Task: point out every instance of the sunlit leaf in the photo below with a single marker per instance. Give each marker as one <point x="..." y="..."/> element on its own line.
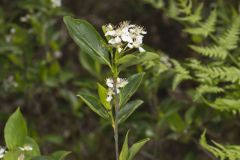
<point x="15" y="131"/>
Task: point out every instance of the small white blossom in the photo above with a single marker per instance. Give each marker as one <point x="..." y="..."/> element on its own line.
<point x="121" y="82"/>
<point x="13" y="30"/>
<point x="8" y="38"/>
<point x="57" y="54"/>
<point x="141" y="49"/>
<point x="2" y="152"/>
<point x="26" y="148"/>
<point x="56" y="3"/>
<point x="25" y="18"/>
<point x="109" y="82"/>
<point x="125" y="35"/>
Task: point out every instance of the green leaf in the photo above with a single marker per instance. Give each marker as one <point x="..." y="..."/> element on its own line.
<point x="12" y="155"/>
<point x="35" y="149"/>
<point x="176" y="123"/>
<point x="133" y="84"/>
<point x="102" y="92"/>
<point x="91" y="65"/>
<point x="15" y="130"/>
<point x="129" y="58"/>
<point x="124" y="151"/>
<point x="128" y="109"/>
<point x="94" y="105"/>
<point x="87" y="38"/>
<point x="60" y="155"/>
<point x="136" y="147"/>
<point x="134" y="59"/>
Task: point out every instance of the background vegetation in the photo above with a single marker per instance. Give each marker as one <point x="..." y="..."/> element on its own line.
<point x="193" y="86"/>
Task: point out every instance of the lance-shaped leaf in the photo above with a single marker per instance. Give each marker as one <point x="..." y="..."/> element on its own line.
<point x="87" y="38"/>
<point x="124" y="151"/>
<point x="15" y="130"/>
<point x="133" y="84"/>
<point x="102" y="92"/>
<point x="136" y="147"/>
<point x="128" y="109"/>
<point x="94" y="104"/>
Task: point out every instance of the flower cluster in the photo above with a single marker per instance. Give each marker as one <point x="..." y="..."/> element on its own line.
<point x="121" y="82"/>
<point x="56" y="3"/>
<point x="2" y="152"/>
<point x="125" y="36"/>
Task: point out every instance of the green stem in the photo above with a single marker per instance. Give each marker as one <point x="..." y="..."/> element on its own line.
<point x="116" y="103"/>
<point x="234" y="60"/>
<point x="116" y="106"/>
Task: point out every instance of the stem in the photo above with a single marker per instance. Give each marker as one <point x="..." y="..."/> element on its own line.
<point x="116" y="103"/>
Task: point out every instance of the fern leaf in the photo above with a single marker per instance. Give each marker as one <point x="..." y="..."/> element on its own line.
<point x="181" y="74"/>
<point x="205" y="28"/>
<point x="211" y="51"/>
<point x="219" y="151"/>
<point x="185" y="6"/>
<point x="173" y="9"/>
<point x="225" y="74"/>
<point x="206" y="89"/>
<point x="231" y="36"/>
<point x="224" y="104"/>
<point x="194" y="17"/>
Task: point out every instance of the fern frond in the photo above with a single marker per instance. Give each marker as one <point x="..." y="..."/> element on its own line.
<point x="230" y="152"/>
<point x="205" y="28"/>
<point x="231" y="36"/>
<point x="185" y="6"/>
<point x="193" y="17"/>
<point x="211" y="51"/>
<point x="206" y="89"/>
<point x="224" y="104"/>
<point x="224" y="74"/>
<point x="181" y="74"/>
<point x="173" y="9"/>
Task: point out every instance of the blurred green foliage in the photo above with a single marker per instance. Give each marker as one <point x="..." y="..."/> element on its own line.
<point x="194" y="85"/>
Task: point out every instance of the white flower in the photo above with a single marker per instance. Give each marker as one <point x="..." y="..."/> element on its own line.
<point x="25" y="18"/>
<point x="109" y="82"/>
<point x="141" y="49"/>
<point x="26" y="148"/>
<point x="119" y="49"/>
<point x="121" y="82"/>
<point x="13" y="30"/>
<point x="115" y="40"/>
<point x="110" y="94"/>
<point x="58" y="54"/>
<point x="125" y="36"/>
<point x="2" y="152"/>
<point x="109" y="98"/>
<point x="56" y="3"/>
<point x="8" y="38"/>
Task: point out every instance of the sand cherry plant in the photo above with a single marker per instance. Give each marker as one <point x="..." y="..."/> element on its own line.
<point x="121" y="47"/>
